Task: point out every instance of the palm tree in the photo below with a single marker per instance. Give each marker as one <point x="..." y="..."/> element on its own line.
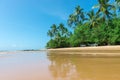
<point x="104" y="8"/>
<point x="77" y="17"/>
<point x="93" y="19"/>
<point x="53" y="32"/>
<point x="49" y="33"/>
<point x="72" y="20"/>
<point x="63" y="30"/>
<point x="79" y="14"/>
<point x="117" y="5"/>
<point x="118" y="1"/>
<point x="54" y="29"/>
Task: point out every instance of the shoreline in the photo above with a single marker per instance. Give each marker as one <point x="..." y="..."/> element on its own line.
<point x="84" y="51"/>
<point x="91" y="51"/>
<point x="90" y="48"/>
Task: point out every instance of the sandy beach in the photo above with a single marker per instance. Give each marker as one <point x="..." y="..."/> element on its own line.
<point x="99" y="50"/>
<point x="39" y="65"/>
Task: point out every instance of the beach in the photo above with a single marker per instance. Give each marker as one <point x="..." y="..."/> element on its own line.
<point x="99" y="50"/>
<point x="40" y="65"/>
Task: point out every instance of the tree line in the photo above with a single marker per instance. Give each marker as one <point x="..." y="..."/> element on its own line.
<point x="100" y="26"/>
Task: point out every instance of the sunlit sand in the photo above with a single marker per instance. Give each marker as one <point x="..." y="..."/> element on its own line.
<point x="99" y="50"/>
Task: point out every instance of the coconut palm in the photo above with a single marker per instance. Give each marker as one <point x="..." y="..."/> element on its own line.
<point x="93" y="19"/>
<point x="117" y="1"/>
<point x="104" y="8"/>
<point x="53" y="32"/>
<point x="116" y="8"/>
<point x="54" y="29"/>
<point x="77" y="17"/>
<point x="80" y="17"/>
<point x="72" y="20"/>
<point x="49" y="33"/>
<point x="117" y="5"/>
<point x="63" y="30"/>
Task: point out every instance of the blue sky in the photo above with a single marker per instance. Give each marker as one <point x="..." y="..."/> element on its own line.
<point x="24" y="23"/>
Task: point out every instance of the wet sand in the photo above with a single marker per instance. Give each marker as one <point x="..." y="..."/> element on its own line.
<point x="48" y="66"/>
<point x="100" y="50"/>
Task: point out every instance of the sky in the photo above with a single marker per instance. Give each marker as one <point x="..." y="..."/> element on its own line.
<point x="24" y="23"/>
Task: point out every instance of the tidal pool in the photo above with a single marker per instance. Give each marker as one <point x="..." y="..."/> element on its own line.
<point x="53" y="66"/>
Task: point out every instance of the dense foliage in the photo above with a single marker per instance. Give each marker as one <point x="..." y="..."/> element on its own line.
<point x="59" y="36"/>
<point x="101" y="27"/>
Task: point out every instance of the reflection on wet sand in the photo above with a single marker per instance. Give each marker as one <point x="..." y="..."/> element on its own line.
<point x="75" y="67"/>
<point x="54" y="66"/>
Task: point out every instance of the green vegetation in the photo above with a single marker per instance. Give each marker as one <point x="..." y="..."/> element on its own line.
<point x="59" y="36"/>
<point x="100" y="26"/>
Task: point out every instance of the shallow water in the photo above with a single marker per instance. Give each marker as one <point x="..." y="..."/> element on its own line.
<point x="51" y="66"/>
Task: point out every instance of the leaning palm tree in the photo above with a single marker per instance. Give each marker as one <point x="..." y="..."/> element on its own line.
<point x="104" y="8"/>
